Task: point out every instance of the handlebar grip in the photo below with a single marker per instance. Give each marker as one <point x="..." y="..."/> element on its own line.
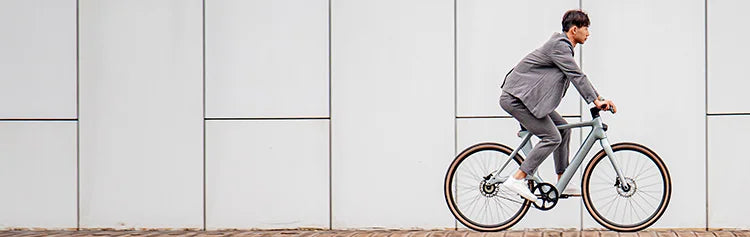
<point x="595" y="111"/>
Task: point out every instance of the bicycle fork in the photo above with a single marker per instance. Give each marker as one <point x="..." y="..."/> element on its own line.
<point x="611" y="156"/>
<point x="601" y="135"/>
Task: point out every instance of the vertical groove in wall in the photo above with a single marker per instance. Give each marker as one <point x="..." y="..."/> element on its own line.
<point x="204" y="112"/>
<point x="330" y="127"/>
<point x="705" y="117"/>
<point x="580" y="131"/>
<point x="78" y="129"/>
<point x="455" y="85"/>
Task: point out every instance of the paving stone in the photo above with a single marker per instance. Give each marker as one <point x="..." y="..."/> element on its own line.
<point x="532" y="234"/>
<point x="476" y="234"/>
<point x="704" y="234"/>
<point x="514" y="234"/>
<point x="323" y="234"/>
<point x="685" y="233"/>
<point x="723" y="234"/>
<point x="457" y="233"/>
<point x="647" y="234"/>
<point x="419" y="233"/>
<point x="380" y="233"/>
<point x="552" y="234"/>
<point x="375" y="233"/>
<point x="608" y="234"/>
<point x="494" y="234"/>
<point x="589" y="233"/>
<point x="571" y="233"/>
<point x="439" y="233"/>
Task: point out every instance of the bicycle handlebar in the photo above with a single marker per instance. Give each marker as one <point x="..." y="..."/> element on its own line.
<point x="595" y="111"/>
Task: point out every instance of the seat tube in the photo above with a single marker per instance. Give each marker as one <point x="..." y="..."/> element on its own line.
<point x="496" y="175"/>
<point x="610" y="155"/>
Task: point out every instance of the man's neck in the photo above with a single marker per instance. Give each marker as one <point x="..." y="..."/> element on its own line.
<point x="570" y="38"/>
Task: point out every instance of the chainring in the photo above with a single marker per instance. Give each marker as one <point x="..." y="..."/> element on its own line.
<point x="547" y="195"/>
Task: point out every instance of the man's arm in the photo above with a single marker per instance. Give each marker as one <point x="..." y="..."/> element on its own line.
<point x="562" y="56"/>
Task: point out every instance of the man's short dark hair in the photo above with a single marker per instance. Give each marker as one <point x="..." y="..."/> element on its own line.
<point x="575" y="18"/>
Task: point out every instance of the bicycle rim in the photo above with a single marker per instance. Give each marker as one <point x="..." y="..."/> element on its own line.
<point x="476" y="205"/>
<point x="630" y="209"/>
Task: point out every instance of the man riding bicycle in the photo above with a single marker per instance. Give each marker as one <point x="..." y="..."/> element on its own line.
<point x="535" y="87"/>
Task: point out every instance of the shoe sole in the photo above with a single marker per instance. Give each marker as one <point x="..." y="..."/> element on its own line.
<point x="519" y="194"/>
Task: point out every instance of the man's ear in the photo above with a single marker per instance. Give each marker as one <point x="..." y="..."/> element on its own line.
<point x="574" y="29"/>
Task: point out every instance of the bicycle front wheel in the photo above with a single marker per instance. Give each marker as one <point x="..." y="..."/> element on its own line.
<point x="641" y="202"/>
<point x="472" y="201"/>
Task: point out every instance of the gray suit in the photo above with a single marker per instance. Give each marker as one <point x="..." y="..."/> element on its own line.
<point x="532" y="91"/>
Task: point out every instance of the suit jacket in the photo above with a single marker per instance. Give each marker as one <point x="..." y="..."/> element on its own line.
<point x="542" y="77"/>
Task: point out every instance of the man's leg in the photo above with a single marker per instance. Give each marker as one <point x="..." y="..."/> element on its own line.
<point x="543" y="128"/>
<point x="563" y="150"/>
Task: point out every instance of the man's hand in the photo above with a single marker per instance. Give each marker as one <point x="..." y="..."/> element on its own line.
<point x="605" y="105"/>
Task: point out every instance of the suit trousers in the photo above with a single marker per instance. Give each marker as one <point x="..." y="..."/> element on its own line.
<point x="552" y="140"/>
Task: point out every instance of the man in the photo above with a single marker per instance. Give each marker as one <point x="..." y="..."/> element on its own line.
<point x="535" y="87"/>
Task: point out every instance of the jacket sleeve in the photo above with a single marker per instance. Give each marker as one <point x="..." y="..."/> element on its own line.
<point x="562" y="56"/>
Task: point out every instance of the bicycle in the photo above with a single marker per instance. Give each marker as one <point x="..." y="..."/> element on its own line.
<point x="635" y="183"/>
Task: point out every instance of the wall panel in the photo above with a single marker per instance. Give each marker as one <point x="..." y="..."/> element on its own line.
<point x="392" y="112"/>
<point x="38" y="59"/>
<point x="141" y="114"/>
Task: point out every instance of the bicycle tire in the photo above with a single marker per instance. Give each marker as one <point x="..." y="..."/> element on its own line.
<point x="634" y="178"/>
<point x="452" y="190"/>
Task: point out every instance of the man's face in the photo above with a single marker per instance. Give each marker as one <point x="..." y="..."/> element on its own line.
<point x="580" y="34"/>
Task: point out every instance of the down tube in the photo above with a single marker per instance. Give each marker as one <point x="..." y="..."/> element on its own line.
<point x="577" y="160"/>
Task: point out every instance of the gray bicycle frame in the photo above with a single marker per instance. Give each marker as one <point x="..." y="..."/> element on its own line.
<point x="597" y="133"/>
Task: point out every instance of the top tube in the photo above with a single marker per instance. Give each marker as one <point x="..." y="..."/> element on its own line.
<point x="576" y="125"/>
<point x="594" y="114"/>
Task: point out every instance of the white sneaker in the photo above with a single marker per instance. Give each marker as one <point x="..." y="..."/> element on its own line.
<point x="573" y="189"/>
<point x="520" y="187"/>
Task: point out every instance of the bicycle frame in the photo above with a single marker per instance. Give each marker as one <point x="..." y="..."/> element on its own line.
<point x="597" y="133"/>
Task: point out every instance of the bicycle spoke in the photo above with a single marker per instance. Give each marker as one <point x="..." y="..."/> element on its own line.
<point x="499" y="206"/>
<point x="643" y="210"/>
<point x="649" y="203"/>
<point x="648" y="185"/>
<point x="610" y="204"/>
<point x="486" y="209"/>
<point x="644" y="171"/>
<point x="611" y="187"/>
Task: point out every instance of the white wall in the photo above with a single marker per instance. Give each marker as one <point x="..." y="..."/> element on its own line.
<point x="727" y="171"/>
<point x="726" y="78"/>
<point x="267" y="174"/>
<point x="339" y="114"/>
<point x="266" y="58"/>
<point x="392" y="121"/>
<point x="38" y="174"/>
<point x="38" y="59"/>
<point x="728" y="110"/>
<point x="38" y="159"/>
<point x="267" y="87"/>
<point x="141" y="114"/>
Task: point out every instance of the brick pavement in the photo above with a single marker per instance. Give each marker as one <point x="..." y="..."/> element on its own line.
<point x="378" y="233"/>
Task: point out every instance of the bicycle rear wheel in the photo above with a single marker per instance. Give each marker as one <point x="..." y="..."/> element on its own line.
<point x="475" y="204"/>
<point x="626" y="209"/>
